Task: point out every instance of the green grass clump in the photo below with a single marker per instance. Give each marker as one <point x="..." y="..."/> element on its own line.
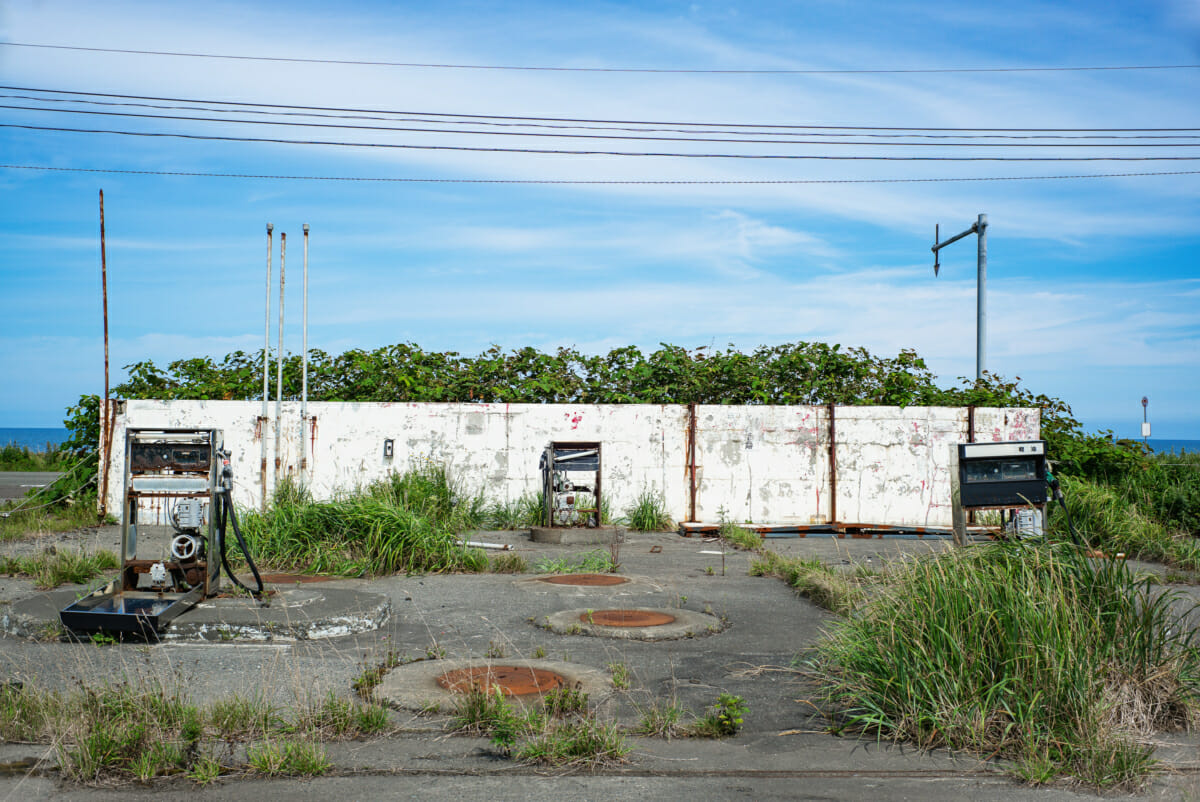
<point x="22" y="458"/>
<point x="1106" y="519"/>
<point x="52" y="568"/>
<point x="45" y="519"/>
<point x="522" y="513"/>
<point x="289" y="759"/>
<point x="404" y="523"/>
<point x="120" y="730"/>
<point x="1025" y="651"/>
<point x="334" y="717"/>
<point x="661" y="719"/>
<point x="578" y="743"/>
<point x="723" y="720"/>
<point x="594" y="562"/>
<point x="810" y="577"/>
<point x="649" y="513"/>
<point x="242" y="718"/>
<point x="508" y="563"/>
<point x="740" y="537"/>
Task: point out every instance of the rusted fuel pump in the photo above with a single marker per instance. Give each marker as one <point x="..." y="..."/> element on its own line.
<point x="185" y="476"/>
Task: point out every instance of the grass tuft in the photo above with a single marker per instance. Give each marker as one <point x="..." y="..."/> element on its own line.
<point x="813" y="579"/>
<point x="522" y="513"/>
<point x="649" y="513"/>
<point x="580" y="743"/>
<point x="1105" y="517"/>
<point x="508" y="563"/>
<point x="1032" y="652"/>
<point x="51" y="568"/>
<point x="404" y="523"/>
<point x="594" y="562"/>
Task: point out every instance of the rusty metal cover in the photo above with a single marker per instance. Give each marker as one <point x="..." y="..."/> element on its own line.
<point x="511" y="680"/>
<point x="592" y="580"/>
<point x="627" y="618"/>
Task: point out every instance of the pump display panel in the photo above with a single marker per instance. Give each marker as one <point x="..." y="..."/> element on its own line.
<point x="1011" y="474"/>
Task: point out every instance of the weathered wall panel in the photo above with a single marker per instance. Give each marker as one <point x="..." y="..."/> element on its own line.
<point x="766" y="464"/>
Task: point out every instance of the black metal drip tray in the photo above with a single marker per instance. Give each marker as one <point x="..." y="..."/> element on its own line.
<point x="129" y="611"/>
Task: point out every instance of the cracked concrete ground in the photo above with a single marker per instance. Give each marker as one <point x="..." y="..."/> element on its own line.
<point x="784" y="750"/>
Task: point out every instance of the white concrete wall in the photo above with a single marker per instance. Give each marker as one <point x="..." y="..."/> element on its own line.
<point x="767" y="464"/>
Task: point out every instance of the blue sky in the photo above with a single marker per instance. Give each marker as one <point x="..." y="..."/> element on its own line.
<point x="1094" y="284"/>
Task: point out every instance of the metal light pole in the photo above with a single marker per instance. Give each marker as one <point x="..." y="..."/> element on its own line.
<point x="980" y="228"/>
<point x="1145" y="423"/>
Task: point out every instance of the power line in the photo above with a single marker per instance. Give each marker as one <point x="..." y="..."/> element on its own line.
<point x="657" y="70"/>
<point x="405" y="117"/>
<point x="623" y="137"/>
<point x="553" y="151"/>
<point x="593" y="121"/>
<point x="622" y="182"/>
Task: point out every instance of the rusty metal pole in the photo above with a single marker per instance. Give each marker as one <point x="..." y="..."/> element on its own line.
<point x="832" y="467"/>
<point x="691" y="445"/>
<point x="262" y="418"/>
<point x="104" y="417"/>
<point x="304" y="366"/>
<point x="279" y="358"/>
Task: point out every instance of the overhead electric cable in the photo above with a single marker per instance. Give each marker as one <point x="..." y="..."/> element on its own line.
<point x="551" y="151"/>
<point x="623" y="137"/>
<point x="539" y="68"/>
<point x="622" y="182"/>
<point x="596" y="121"/>
<point x="407" y="117"/>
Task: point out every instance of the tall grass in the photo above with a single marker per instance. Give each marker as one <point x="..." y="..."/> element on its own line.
<point x="1031" y="652"/>
<point x="21" y="458"/>
<point x="522" y="513"/>
<point x="1107" y="520"/>
<point x="405" y="523"/>
<point x="39" y="518"/>
<point x="1167" y="487"/>
<point x="649" y="513"/>
<point x="49" y="569"/>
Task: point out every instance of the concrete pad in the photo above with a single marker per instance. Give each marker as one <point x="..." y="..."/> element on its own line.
<point x="633" y="586"/>
<point x="294" y="614"/>
<point x="686" y="624"/>
<point x="414" y="686"/>
<point x="572" y="536"/>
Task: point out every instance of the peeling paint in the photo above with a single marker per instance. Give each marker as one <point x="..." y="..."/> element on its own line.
<point x="892" y="463"/>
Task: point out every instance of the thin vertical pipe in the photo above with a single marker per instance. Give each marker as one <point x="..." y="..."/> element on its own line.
<point x="981" y="300"/>
<point x="279" y="357"/>
<point x="262" y="418"/>
<point x="104" y="411"/>
<point x="832" y="467"/>
<point x="691" y="447"/>
<point x="304" y="366"/>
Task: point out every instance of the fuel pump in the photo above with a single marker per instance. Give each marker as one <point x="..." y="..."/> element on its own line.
<point x="176" y="478"/>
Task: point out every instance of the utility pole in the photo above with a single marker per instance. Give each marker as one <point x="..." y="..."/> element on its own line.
<point x="980" y="228"/>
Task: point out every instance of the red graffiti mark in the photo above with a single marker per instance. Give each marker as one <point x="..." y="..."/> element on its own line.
<point x="575" y="419"/>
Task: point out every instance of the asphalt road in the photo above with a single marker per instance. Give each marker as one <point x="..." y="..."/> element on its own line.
<point x="14" y="484"/>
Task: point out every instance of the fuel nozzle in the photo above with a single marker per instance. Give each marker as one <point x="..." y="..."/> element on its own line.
<point x="226" y="480"/>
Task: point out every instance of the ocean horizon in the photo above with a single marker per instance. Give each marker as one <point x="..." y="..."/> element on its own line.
<point x="36" y="438"/>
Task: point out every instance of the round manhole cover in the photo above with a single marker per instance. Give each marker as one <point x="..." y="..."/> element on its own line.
<point x="511" y="680"/>
<point x="590" y="580"/>
<point x="627" y="618"/>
